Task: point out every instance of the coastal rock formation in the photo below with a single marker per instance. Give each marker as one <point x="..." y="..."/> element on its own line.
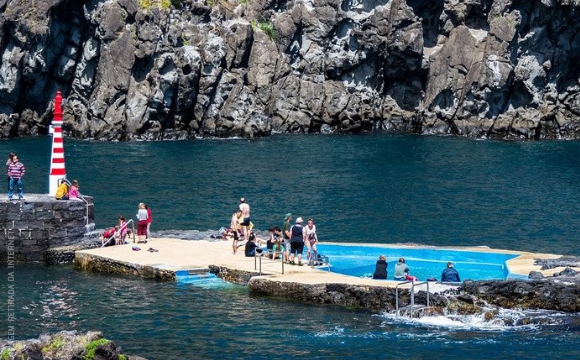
<point x="65" y="345"/>
<point x="173" y="69"/>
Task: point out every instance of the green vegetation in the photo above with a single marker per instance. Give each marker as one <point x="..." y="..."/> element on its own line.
<point x="122" y="357"/>
<point x="185" y="41"/>
<point x="266" y="26"/>
<point x="242" y="1"/>
<point x="91" y="348"/>
<point x="145" y="4"/>
<point x="5" y="354"/>
<point x="211" y="2"/>
<point x="160" y="4"/>
<point x="55" y="344"/>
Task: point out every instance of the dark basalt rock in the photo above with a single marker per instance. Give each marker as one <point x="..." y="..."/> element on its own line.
<point x="65" y="345"/>
<point x="491" y="69"/>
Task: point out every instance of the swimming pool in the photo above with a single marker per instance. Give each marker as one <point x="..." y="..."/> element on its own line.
<point x="359" y="260"/>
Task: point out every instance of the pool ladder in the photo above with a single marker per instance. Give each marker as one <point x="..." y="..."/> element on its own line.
<point x="413" y="284"/>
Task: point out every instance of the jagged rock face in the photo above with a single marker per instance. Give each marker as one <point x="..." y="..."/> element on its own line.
<point x="143" y="69"/>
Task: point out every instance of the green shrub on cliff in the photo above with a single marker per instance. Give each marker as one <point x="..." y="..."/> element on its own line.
<point x="266" y="26"/>
<point x="161" y="4"/>
<point x="91" y="348"/>
<point x="5" y="354"/>
<point x="55" y="344"/>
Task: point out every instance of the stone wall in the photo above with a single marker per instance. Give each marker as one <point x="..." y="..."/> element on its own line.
<point x="90" y="262"/>
<point x="29" y="228"/>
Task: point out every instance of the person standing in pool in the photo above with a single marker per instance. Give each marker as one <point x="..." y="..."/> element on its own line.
<point x="450" y="274"/>
<point x="381" y="268"/>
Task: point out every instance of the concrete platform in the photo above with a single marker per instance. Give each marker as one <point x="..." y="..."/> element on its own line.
<point x="174" y="255"/>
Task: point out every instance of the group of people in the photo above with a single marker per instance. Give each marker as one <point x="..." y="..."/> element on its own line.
<point x="117" y="235"/>
<point x="402" y="271"/>
<point x="15" y="170"/>
<point x="64" y="192"/>
<point x="288" y="241"/>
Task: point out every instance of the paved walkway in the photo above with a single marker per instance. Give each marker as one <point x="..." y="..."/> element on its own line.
<point x="174" y="254"/>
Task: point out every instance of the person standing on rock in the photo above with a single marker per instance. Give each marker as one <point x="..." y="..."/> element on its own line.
<point x="15" y="172"/>
<point x="149" y="221"/>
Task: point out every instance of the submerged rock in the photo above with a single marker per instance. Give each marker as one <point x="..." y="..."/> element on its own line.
<point x="179" y="69"/>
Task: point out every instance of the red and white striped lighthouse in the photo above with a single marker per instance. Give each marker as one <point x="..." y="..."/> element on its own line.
<point x="57" y="169"/>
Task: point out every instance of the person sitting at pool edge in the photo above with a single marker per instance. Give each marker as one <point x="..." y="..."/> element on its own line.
<point x="401" y="270"/>
<point x="450" y="274"/>
<point x="381" y="268"/>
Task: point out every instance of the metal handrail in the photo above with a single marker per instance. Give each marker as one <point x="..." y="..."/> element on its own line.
<point x="413" y="284"/>
<point x="261" y="255"/>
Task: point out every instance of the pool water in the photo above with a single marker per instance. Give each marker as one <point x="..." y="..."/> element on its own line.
<point x="359" y="260"/>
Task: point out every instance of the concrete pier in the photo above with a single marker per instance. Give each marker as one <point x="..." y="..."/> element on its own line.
<point x="302" y="283"/>
<point x="29" y="227"/>
<point x="176" y="255"/>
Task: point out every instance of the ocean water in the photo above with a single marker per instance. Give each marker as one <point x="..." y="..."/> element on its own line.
<point x="358" y="188"/>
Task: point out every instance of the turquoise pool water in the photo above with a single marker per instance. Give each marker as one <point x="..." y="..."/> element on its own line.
<point x="359" y="260"/>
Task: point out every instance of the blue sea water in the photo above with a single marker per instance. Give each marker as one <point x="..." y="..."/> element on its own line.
<point x="359" y="188"/>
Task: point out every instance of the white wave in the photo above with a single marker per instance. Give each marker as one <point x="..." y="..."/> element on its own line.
<point x="503" y="320"/>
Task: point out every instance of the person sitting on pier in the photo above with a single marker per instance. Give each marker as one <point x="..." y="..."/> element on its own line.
<point x="381" y="268"/>
<point x="251" y="246"/>
<point x="73" y="192"/>
<point x="108" y="237"/>
<point x="450" y="274"/>
<point x="274" y="243"/>
<point x="62" y="190"/>
<point x="402" y="271"/>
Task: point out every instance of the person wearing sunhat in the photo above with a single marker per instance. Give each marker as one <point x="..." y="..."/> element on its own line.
<point x="286" y="235"/>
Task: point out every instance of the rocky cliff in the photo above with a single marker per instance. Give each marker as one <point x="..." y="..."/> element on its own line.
<point x="172" y="69"/>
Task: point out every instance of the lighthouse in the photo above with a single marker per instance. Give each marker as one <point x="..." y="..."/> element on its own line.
<point x="57" y="168"/>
